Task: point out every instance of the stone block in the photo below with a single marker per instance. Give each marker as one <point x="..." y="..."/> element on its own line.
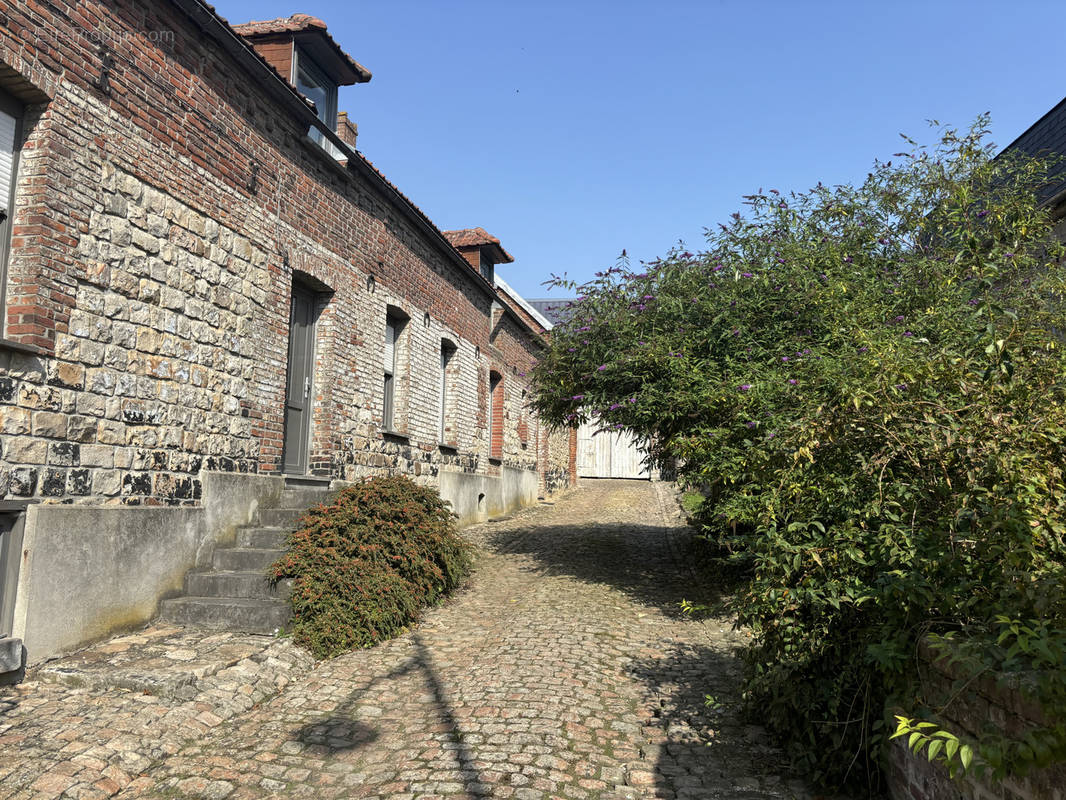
<point x="10" y="654"/>
<point x="23" y="481"/>
<point x="97" y="455"/>
<point x="67" y="375"/>
<point x="107" y="482"/>
<point x="81" y="429"/>
<point x="25" y="450"/>
<point x="64" y="454"/>
<point x="53" y="482"/>
<point x="47" y="423"/>
<point x="14" y="420"/>
<point x="108" y="432"/>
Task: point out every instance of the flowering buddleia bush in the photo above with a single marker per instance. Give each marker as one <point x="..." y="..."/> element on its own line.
<point x="867" y="385"/>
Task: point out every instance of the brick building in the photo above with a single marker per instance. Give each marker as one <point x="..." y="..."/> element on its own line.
<point x="207" y="292"/>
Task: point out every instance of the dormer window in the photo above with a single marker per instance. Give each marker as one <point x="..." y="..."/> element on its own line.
<point x="486" y="267"/>
<point x="313" y="84"/>
<point x="304" y="54"/>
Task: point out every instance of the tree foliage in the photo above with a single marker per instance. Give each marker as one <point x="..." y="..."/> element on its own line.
<point x="867" y="384"/>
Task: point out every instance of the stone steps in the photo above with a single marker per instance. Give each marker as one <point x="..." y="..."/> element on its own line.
<point x="280" y="517"/>
<point x="245" y="559"/>
<point x="235" y="593"/>
<point x="247" y="584"/>
<point x="251" y="615"/>
<point x="265" y="537"/>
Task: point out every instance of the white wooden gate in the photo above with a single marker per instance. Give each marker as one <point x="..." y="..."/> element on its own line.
<point x="608" y="455"/>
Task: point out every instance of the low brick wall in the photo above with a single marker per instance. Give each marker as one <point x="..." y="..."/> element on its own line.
<point x="968" y="708"/>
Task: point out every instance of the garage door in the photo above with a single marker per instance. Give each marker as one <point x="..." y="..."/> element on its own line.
<point x="608" y="455"/>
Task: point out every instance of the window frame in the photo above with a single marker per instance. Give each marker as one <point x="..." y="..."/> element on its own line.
<point x="303" y="62"/>
<point x="448" y="352"/>
<point x="13" y="108"/>
<point x="388" y="403"/>
<point x="495" y="419"/>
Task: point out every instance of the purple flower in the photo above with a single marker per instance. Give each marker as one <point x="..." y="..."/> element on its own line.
<point x="632" y="399"/>
<point x="649" y="297"/>
<point x="585" y="328"/>
<point x="899" y="318"/>
<point x="578" y="397"/>
<point x="907" y="333"/>
<point x="571" y="349"/>
<point x="718" y="268"/>
<point x="601" y="367"/>
<point x="615" y="406"/>
<point x="974" y="302"/>
<point x="901" y="386"/>
<point x="771" y="435"/>
<point x="750" y="424"/>
<point x="746" y="275"/>
<point x="792" y="381"/>
<point x="744" y="387"/>
<point x="848" y="259"/>
<point x="863" y="349"/>
<point x="982" y="213"/>
<point x="784" y="358"/>
<point x="1008" y="255"/>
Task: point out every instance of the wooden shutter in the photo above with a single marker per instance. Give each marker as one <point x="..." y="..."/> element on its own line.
<point x="7" y="157"/>
<point x="390" y="345"/>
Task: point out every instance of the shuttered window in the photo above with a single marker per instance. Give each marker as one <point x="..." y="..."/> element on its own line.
<point x="447" y="353"/>
<point x="10" y="124"/>
<point x="388" y="420"/>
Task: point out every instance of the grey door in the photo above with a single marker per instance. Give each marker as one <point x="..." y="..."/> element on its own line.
<point x="298" y="390"/>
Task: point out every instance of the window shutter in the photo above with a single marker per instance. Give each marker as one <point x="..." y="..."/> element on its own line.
<point x="7" y="156"/>
<point x="390" y="345"/>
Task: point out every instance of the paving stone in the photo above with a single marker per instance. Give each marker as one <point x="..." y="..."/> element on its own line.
<point x="564" y="669"/>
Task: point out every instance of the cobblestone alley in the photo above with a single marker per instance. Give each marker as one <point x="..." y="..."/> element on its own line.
<point x="563" y="670"/>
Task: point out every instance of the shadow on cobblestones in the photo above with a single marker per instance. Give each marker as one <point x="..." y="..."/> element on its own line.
<point x="634" y="559"/>
<point x="707" y="747"/>
<point x="342" y="730"/>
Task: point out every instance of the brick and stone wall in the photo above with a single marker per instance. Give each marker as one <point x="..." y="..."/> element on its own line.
<point x="969" y="706"/>
<point x="158" y="230"/>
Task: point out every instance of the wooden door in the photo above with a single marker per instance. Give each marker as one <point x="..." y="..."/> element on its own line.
<point x="298" y="390"/>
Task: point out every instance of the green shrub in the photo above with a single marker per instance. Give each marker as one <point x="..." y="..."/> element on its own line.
<point x="366" y="563"/>
<point x="868" y="384"/>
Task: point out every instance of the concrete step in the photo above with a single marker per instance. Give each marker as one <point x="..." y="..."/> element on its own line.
<point x="279" y="517"/>
<point x="303" y="498"/>
<point x="227" y="613"/>
<point x="246" y="559"/>
<point x="262" y="537"/>
<point x="247" y="584"/>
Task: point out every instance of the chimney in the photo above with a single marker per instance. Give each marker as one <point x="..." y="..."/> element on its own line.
<point x="346" y="129"/>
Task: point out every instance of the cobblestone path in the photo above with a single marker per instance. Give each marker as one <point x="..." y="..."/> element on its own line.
<point x="564" y="670"/>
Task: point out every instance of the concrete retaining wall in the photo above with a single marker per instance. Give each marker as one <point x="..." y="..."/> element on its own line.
<point x="475" y="498"/>
<point x="88" y="572"/>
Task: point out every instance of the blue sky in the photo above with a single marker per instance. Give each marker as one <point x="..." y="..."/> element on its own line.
<point x="572" y="130"/>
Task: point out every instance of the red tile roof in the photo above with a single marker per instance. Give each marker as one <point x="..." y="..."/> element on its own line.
<point x="297" y="22"/>
<point x="306" y="24"/>
<point x="478" y="237"/>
